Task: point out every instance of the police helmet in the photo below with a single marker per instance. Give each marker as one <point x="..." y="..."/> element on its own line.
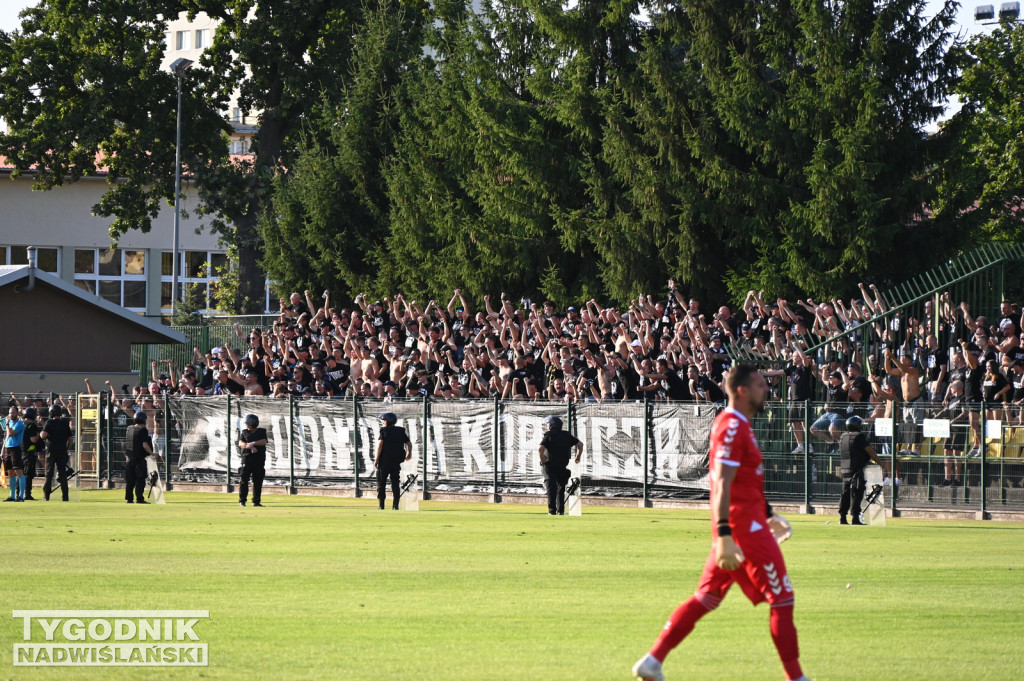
<point x="553" y="423"/>
<point x="252" y="420"/>
<point x="854" y="424"/>
<point x="31" y="413"/>
<point x="140" y="417"/>
<point x="56" y="412"/>
<point x="388" y="418"/>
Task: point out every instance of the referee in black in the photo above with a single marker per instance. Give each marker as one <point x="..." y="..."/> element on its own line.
<point x="554" y="452"/>
<point x="855" y="453"/>
<point x="393" y="447"/>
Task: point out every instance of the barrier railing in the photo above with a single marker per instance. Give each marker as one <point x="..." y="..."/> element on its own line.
<point x="655" y="450"/>
<point x="966" y="457"/>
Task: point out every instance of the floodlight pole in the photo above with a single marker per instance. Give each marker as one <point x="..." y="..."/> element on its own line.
<point x="988" y="15"/>
<point x="179" y="66"/>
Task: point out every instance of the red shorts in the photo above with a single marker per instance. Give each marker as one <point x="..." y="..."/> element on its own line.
<point x="762" y="576"/>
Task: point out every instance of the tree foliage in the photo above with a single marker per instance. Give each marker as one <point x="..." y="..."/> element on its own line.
<point x="83" y="93"/>
<point x="983" y="183"/>
<point x="532" y="146"/>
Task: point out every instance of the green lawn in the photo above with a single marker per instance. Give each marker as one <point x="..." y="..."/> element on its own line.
<point x="321" y="588"/>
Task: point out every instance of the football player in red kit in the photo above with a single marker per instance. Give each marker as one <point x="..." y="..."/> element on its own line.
<point x="745" y="534"/>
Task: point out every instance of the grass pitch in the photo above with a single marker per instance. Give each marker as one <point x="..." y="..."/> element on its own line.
<point x="322" y="588"/>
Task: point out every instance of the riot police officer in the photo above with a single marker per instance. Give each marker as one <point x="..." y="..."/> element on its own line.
<point x="855" y="454"/>
<point x="57" y="433"/>
<point x="393" y="447"/>
<point x="253" y="443"/>
<point x="137" y="446"/>
<point x="32" y="445"/>
<point x="554" y="452"/>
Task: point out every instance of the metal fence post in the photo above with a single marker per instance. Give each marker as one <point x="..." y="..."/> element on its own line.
<point x="355" y="443"/>
<point x="808" y="459"/>
<point x="167" y="442"/>
<point x="645" y="502"/>
<point x="423" y="447"/>
<point x="495" y="496"/>
<point x="229" y="428"/>
<point x="101" y="440"/>
<point x="110" y="446"/>
<point x="983" y="455"/>
<point x="291" y="444"/>
<point x="892" y="462"/>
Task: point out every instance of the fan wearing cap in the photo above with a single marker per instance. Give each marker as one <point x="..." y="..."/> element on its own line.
<point x="393" y="447"/>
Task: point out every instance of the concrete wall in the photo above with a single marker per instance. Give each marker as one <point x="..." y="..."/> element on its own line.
<point x="63" y="217"/>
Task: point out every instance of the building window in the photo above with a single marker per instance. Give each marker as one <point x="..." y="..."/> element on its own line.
<point x="202" y="38"/>
<point x="240" y="147"/>
<point x="114" y="274"/>
<point x="196" y="277"/>
<point x="181" y="40"/>
<point x="49" y="258"/>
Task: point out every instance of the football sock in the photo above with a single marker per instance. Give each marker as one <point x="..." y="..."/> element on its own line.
<point x="784" y="636"/>
<point x="20" y="480"/>
<point x="681" y="623"/>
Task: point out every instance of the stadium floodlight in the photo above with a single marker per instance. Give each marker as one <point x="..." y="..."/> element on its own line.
<point x="178" y="68"/>
<point x="984" y="13"/>
<point x="1009" y="11"/>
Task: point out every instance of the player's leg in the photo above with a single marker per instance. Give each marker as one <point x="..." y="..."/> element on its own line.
<point x="714" y="584"/>
<point x="763" y="577"/>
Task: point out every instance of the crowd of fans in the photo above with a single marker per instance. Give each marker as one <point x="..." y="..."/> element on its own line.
<point x="858" y="358"/>
<point x="662" y="349"/>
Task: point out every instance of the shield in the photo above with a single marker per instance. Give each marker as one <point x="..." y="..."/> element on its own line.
<point x="154" y="484"/>
<point x="874" y="500"/>
<point x="574" y="495"/>
<point x="410" y="489"/>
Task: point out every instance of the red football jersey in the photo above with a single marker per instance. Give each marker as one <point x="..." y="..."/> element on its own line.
<point x="733" y="444"/>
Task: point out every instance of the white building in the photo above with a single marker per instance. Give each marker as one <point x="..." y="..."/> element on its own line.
<point x="75" y="244"/>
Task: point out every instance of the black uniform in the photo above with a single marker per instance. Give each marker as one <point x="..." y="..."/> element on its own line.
<point x="32" y="451"/>
<point x="394" y="439"/>
<point x="57" y="460"/>
<point x="254" y="465"/>
<point x="558" y="444"/>
<point x="135" y="462"/>
<point x="853" y="458"/>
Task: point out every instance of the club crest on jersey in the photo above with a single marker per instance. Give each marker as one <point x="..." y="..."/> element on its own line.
<point x="760" y="469"/>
